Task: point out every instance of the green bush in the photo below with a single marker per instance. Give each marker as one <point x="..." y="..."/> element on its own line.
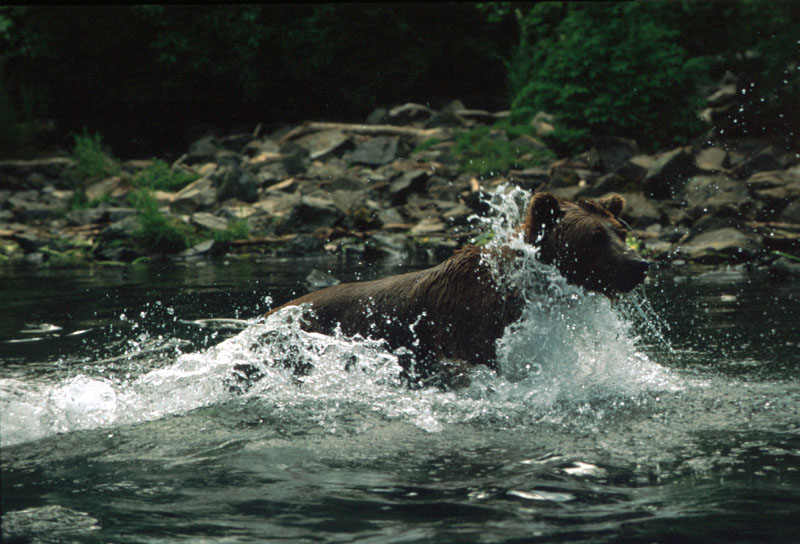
<point x="606" y="69"/>
<point x="158" y="233"/>
<point x="90" y="160"/>
<point x="495" y="150"/>
<point x="160" y="177"/>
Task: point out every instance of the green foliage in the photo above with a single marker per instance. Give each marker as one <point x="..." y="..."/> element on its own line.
<point x="158" y="233"/>
<point x="90" y="160"/>
<point x="488" y="150"/>
<point x="606" y="69"/>
<point x="160" y="177"/>
<point x="237" y="230"/>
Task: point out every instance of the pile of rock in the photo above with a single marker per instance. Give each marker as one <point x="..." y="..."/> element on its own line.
<point x="392" y="186"/>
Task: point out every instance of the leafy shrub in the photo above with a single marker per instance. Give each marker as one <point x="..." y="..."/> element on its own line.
<point x="606" y="69"/>
<point x="488" y="150"/>
<point x="90" y="160"/>
<point x="158" y="233"/>
<point x="160" y="177"/>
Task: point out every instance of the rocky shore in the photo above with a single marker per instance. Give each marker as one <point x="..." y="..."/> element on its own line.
<point x="395" y="186"/>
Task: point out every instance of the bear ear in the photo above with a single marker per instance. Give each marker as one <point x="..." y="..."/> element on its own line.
<point x="612" y="204"/>
<point x="544" y="211"/>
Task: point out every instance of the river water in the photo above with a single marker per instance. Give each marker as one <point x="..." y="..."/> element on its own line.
<point x="670" y="415"/>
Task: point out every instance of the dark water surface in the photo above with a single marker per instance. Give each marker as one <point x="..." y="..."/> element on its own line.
<point x="119" y="423"/>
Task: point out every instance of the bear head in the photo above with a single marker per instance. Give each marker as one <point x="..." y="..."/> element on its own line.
<point x="585" y="240"/>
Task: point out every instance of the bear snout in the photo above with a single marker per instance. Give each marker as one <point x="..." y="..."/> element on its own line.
<point x="636" y="271"/>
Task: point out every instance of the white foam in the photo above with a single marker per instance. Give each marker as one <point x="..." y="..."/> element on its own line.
<point x="569" y="348"/>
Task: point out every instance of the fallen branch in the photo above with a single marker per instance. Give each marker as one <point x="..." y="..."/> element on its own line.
<point x="369" y="130"/>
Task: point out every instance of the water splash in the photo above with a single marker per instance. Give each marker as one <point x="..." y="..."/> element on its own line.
<point x="569" y="350"/>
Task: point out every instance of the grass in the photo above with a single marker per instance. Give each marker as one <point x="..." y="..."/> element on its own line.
<point x="158" y="233"/>
<point x="159" y="176"/>
<point x="492" y="150"/>
<point x="237" y="230"/>
<point x="90" y="160"/>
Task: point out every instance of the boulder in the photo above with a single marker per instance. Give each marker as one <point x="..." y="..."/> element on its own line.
<point x="86" y="216"/>
<point x="209" y="221"/>
<point x="278" y="204"/>
<point x="668" y="173"/>
<point x="235" y="182"/>
<point x="376" y="151"/>
<point x="311" y="213"/>
<point x="324" y="143"/>
<point x="198" y="195"/>
<point x="318" y="279"/>
<point x="614" y="153"/>
<point x="721" y="245"/>
<point x="639" y="212"/>
<point x="784" y="268"/>
<point x="762" y="162"/>
<point x="103" y="188"/>
<point x="413" y="181"/>
<point x="712" y="159"/>
<point x="428" y="226"/>
<point x="203" y="150"/>
<point x="791" y="214"/>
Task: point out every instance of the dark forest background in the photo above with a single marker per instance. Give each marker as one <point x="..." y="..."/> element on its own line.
<point x="150" y="79"/>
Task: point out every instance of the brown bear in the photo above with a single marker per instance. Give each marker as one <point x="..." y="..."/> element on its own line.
<point x="451" y="315"/>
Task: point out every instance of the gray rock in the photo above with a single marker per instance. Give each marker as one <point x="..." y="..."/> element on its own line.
<point x="311" y="213"/>
<point x="103" y="188"/>
<point x="376" y="151"/>
<point x="206" y="248"/>
<point x="203" y="150"/>
<point x="12" y="172"/>
<point x="413" y="181"/>
<point x="639" y="212"/>
<point x="119" y="230"/>
<point x="390" y="216"/>
<point x="724" y="95"/>
<point x="712" y="159"/>
<point x="668" y="173"/>
<point x="278" y="204"/>
<point x="457" y="214"/>
<point x="763" y="162"/>
<point x="718" y="197"/>
<point x="317" y="279"/>
<point x="116" y="214"/>
<point x="321" y="144"/>
<point x="30" y="242"/>
<point x="428" y="226"/>
<point x="791" y="214"/>
<point x="784" y="268"/>
<point x="26" y="211"/>
<point x="777" y="190"/>
<point x="235" y="182"/>
<point x="721" y="245"/>
<point x="116" y="254"/>
<point x="198" y="195"/>
<point x="293" y="158"/>
<point x="86" y="216"/>
<point x="378" y="117"/>
<point x="209" y="221"/>
<point x="614" y="153"/>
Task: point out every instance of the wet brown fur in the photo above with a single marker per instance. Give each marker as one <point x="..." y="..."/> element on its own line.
<point x="455" y="311"/>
